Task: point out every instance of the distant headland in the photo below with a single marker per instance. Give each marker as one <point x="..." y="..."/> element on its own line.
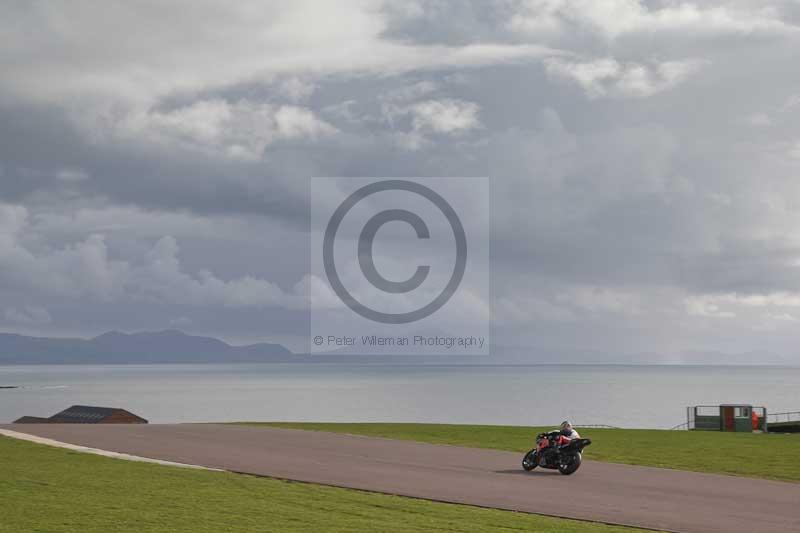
<point x="114" y="347"/>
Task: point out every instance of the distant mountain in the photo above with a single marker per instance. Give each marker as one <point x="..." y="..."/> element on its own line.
<point x="173" y="346"/>
<point x="114" y="347"/>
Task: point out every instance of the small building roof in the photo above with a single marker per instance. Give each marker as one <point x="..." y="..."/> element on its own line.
<point x="88" y="414"/>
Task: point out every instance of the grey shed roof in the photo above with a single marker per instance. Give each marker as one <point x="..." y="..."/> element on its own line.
<point x="86" y="414"/>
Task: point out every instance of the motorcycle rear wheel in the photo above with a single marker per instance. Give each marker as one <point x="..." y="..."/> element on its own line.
<point x="572" y="466"/>
<point x="530" y="460"/>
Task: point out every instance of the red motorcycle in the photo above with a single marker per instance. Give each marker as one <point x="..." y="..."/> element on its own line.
<point x="555" y="451"/>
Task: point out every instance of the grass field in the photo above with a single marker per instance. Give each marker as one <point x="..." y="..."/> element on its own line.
<point x="44" y="489"/>
<point x="766" y="456"/>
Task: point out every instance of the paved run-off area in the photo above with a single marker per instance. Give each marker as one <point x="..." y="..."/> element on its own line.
<point x="640" y="496"/>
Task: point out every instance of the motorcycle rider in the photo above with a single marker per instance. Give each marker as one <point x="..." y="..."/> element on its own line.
<point x="568" y="431"/>
<point x="563" y="435"/>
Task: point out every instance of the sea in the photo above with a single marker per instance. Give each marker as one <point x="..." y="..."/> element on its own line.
<point x="614" y="395"/>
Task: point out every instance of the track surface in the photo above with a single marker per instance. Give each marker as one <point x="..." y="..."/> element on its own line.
<point x="639" y="496"/>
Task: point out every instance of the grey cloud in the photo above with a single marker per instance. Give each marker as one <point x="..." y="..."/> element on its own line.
<point x="635" y="199"/>
<point x="30" y="314"/>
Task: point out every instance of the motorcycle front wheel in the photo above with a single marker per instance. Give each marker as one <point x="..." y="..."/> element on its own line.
<point x="530" y="460"/>
<point x="571" y="466"/>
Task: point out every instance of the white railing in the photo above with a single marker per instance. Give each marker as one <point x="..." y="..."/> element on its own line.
<point x="789" y="416"/>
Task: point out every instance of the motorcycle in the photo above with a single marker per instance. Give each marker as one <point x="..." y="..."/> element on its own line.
<point x="555" y="451"/>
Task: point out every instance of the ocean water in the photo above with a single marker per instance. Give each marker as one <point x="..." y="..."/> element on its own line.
<point x="624" y="396"/>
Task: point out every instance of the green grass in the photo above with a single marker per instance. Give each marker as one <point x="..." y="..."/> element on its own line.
<point x="45" y="489"/>
<point x="744" y="454"/>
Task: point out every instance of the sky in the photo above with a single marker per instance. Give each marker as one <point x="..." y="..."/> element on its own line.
<point x="155" y="162"/>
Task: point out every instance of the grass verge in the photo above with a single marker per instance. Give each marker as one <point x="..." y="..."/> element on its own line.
<point x="56" y="490"/>
<point x="769" y="456"/>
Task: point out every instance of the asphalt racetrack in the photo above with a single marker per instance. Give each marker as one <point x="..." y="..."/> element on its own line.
<point x="631" y="495"/>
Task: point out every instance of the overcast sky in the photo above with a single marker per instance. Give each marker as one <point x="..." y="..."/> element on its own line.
<point x="644" y="158"/>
